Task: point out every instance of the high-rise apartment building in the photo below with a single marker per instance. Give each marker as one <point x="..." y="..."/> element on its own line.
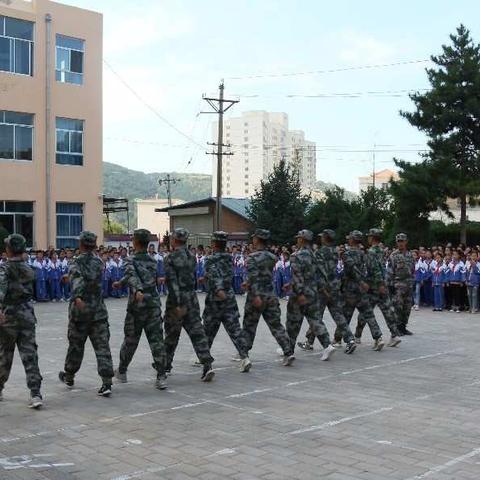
<point x="259" y="140"/>
<point x="50" y="121"/>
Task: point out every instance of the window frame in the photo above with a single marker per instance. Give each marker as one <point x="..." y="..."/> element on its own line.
<point x="22" y="125"/>
<point x="68" y="70"/>
<point x="74" y="154"/>
<point x="29" y="214"/>
<point x="13" y="47"/>
<point x="70" y="237"/>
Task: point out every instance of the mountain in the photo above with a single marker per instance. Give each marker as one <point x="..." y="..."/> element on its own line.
<point x="122" y="182"/>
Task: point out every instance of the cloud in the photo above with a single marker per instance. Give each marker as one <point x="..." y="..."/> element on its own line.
<point x="358" y="47"/>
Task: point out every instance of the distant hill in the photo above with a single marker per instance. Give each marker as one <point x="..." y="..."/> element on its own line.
<point x="122" y="182"/>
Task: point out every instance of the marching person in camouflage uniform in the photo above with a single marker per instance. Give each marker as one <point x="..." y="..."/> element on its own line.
<point x="143" y="310"/>
<point x="401" y="265"/>
<point x="182" y="309"/>
<point x="304" y="301"/>
<point x="355" y="288"/>
<point x="329" y="291"/>
<point x="378" y="293"/>
<point x="261" y="299"/>
<point x="17" y="318"/>
<point x="87" y="316"/>
<point x="220" y="303"/>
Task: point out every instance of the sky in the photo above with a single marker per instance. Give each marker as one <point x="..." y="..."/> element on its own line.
<point x="160" y="57"/>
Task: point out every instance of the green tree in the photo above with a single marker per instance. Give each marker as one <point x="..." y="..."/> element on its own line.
<point x="113" y="227"/>
<point x="279" y="204"/>
<point x="417" y="193"/>
<point x="449" y="114"/>
<point x="333" y="211"/>
<point x="343" y="213"/>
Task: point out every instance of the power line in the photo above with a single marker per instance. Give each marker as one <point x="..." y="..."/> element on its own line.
<point x="150" y="107"/>
<point x="380" y="94"/>
<point x="331" y="70"/>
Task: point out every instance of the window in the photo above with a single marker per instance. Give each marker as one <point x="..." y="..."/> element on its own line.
<point x="16" y="135"/>
<point x="16" y="46"/>
<point x="245" y="139"/>
<point x="245" y="132"/>
<point x="246" y="177"/>
<point x="17" y="217"/>
<point x="69" y="224"/>
<point x="245" y="124"/>
<point x="69" y="62"/>
<point x="246" y="191"/>
<point x="69" y="141"/>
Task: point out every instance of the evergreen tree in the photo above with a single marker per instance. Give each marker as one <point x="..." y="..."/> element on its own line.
<point x="449" y="114"/>
<point x="279" y="204"/>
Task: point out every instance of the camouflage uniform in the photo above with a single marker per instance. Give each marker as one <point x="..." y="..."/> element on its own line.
<point x="304" y="282"/>
<point x="85" y="274"/>
<point x="354" y="274"/>
<point x="141" y="276"/>
<point x="329" y="291"/>
<point x="376" y="278"/>
<point x="401" y="266"/>
<point x="219" y="276"/>
<point x="18" y="328"/>
<point x="180" y="277"/>
<point x="260" y="266"/>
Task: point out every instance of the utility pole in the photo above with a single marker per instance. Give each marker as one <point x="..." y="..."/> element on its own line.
<point x="220" y="106"/>
<point x="167" y="181"/>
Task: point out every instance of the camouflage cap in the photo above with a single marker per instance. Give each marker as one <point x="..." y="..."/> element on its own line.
<point x="89" y="239"/>
<point x="375" y="232"/>
<point x="142" y="235"/>
<point x="356" y="235"/>
<point x="401" y="237"/>
<point x="16" y="243"/>
<point x="305" y="234"/>
<point x="328" y="233"/>
<point x="262" y="234"/>
<point x="181" y="234"/>
<point x="220" y="236"/>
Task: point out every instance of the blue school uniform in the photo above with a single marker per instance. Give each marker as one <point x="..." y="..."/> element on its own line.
<point x="287" y="276"/>
<point x="427" y="284"/>
<point x="457" y="270"/>
<point x="238" y="265"/>
<point x="278" y="279"/>
<point x="438" y="271"/>
<point x="55" y="273"/>
<point x="40" y="268"/>
<point x="115" y="274"/>
<point x="200" y="273"/>
<point x="65" y="285"/>
<point x="162" y="288"/>
<point x="472" y="278"/>
<point x="420" y="269"/>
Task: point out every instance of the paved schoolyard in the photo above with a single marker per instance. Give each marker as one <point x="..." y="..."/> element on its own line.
<point x="406" y="413"/>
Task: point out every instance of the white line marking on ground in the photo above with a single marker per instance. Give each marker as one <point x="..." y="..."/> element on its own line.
<point x="339" y="421"/>
<point x="450" y="463"/>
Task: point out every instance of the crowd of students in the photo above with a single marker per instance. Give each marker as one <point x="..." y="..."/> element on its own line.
<point x="446" y="278"/>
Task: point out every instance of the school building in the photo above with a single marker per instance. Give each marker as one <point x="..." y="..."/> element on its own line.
<point x="50" y="121"/>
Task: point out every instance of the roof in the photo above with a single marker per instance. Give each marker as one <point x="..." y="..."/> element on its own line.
<point x="235" y="205"/>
